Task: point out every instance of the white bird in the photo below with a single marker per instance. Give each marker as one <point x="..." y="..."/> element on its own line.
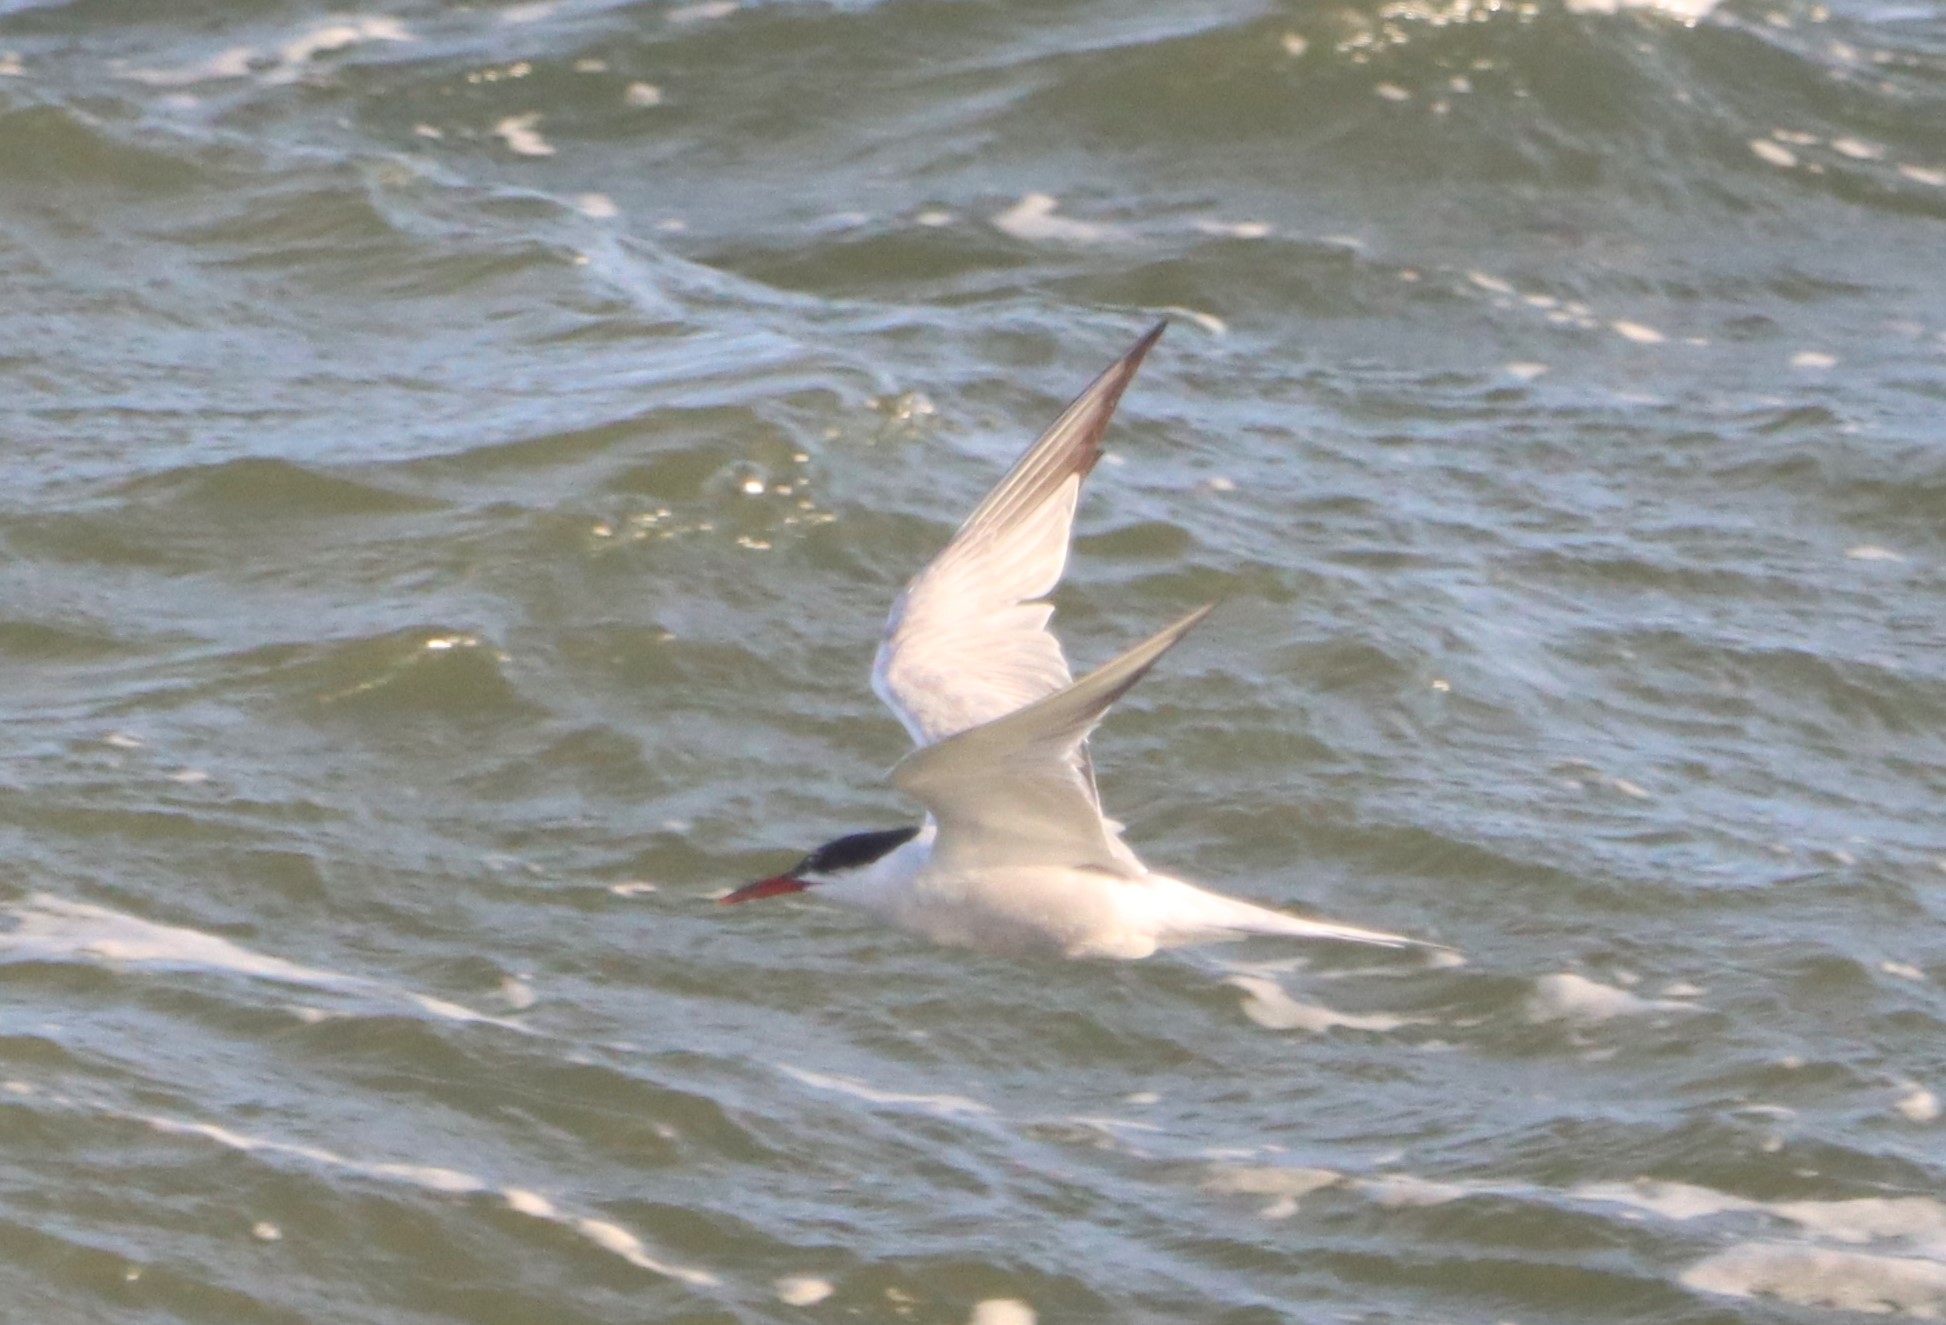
<point x="1015" y="855"/>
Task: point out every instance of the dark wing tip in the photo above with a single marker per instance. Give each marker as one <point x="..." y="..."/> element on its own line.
<point x="1070" y="446"/>
<point x="1120" y="373"/>
<point x="1105" y="392"/>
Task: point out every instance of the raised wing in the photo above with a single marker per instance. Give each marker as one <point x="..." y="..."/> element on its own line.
<point x="967" y="641"/>
<point x="1011" y="792"/>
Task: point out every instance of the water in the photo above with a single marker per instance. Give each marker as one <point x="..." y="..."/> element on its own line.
<point x="457" y="460"/>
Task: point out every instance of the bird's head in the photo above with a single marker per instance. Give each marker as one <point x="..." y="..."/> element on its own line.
<point x="834" y="860"/>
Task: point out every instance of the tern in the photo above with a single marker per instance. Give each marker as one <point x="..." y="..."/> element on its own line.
<point x="1015" y="855"/>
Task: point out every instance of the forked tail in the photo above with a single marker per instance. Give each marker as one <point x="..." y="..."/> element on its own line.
<point x="1212" y="915"/>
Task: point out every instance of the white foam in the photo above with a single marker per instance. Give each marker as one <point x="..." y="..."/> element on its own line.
<point x="282" y="64"/>
<point x="1686" y="11"/>
<point x="1001" y="1311"/>
<point x="1209" y="322"/>
<point x="521" y="135"/>
<point x="1271" y="1181"/>
<point x="1575" y="998"/>
<point x="1670" y="1200"/>
<point x="1637" y="332"/>
<point x="1817" y="1277"/>
<point x="801" y="1290"/>
<point x="1234" y="229"/>
<point x="49" y="928"/>
<point x="430" y="1177"/>
<point x="336" y="36"/>
<point x="530" y="1203"/>
<point x="1917" y="1221"/>
<point x="1266" y="1003"/>
<point x="442" y="1008"/>
<point x="1285" y="1186"/>
<point x="1392" y="1191"/>
<point x="615" y="1238"/>
<point x="944" y="1105"/>
<point x="1872" y="552"/>
<point x="608" y="1236"/>
<point x="1918" y="1105"/>
<point x="1811" y="1275"/>
<point x="236" y="62"/>
<point x="1400" y="1191"/>
<point x="1102" y="1123"/>
<point x="1908" y="1277"/>
<point x="1033" y="219"/>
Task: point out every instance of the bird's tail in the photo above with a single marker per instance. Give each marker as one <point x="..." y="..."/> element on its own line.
<point x="1204" y="915"/>
<point x="1267" y="921"/>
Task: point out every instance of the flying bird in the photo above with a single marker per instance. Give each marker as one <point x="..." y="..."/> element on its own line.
<point x="1015" y="855"/>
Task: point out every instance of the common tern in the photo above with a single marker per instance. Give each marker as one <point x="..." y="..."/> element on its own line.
<point x="1015" y="855"/>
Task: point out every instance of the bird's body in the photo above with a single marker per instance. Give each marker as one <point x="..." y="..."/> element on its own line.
<point x="1015" y="855"/>
<point x="1057" y="910"/>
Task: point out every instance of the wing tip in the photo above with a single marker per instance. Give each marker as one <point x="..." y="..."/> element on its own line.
<point x="1123" y="370"/>
<point x="1125" y="671"/>
<point x="1097" y="403"/>
<point x="1070" y="447"/>
<point x="1103" y="396"/>
<point x="1172" y="634"/>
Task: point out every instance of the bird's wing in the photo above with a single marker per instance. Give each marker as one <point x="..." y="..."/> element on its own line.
<point x="1010" y="792"/>
<point x="967" y="642"/>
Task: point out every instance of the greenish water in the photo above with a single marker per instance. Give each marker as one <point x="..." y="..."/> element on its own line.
<point x="454" y="463"/>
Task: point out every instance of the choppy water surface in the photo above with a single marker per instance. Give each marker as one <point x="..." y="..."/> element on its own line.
<point x="456" y="462"/>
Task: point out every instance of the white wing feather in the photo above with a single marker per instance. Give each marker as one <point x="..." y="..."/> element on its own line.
<point x="967" y="642"/>
<point x="1012" y="791"/>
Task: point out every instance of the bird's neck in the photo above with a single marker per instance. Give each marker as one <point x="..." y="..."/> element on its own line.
<point x="881" y="885"/>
